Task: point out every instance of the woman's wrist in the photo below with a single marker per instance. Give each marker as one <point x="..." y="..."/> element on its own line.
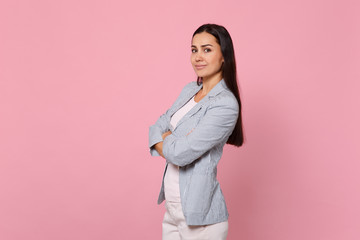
<point x="159" y="146"/>
<point x="166" y="134"/>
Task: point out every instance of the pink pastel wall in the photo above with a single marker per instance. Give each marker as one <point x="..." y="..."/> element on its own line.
<point x="81" y="81"/>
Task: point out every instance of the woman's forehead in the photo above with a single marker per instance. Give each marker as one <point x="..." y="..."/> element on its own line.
<point x="203" y="39"/>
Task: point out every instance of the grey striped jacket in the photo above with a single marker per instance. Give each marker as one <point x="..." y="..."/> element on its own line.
<point x="196" y="146"/>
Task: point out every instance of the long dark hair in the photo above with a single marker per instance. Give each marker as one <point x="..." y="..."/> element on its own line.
<point x="228" y="73"/>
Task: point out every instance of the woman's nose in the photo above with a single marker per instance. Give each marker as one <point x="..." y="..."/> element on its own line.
<point x="198" y="57"/>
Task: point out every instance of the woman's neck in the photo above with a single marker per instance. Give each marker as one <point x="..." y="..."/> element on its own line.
<point x="209" y="83"/>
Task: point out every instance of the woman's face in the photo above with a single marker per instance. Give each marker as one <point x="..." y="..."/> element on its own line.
<point x="206" y="56"/>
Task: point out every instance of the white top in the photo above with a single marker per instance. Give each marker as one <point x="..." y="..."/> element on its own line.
<point x="171" y="180"/>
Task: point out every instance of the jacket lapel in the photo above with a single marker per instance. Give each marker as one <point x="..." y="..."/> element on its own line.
<point x="194" y="110"/>
<point x="215" y="91"/>
<point x="187" y="96"/>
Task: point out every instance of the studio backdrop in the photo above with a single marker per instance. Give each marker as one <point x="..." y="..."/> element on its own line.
<point x="81" y="82"/>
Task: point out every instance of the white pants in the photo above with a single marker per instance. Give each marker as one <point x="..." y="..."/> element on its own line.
<point x="174" y="226"/>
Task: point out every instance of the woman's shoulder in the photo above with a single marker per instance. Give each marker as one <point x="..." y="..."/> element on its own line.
<point x="191" y="85"/>
<point x="226" y="98"/>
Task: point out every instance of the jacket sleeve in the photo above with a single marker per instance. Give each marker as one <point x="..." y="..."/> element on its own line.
<point x="156" y="131"/>
<point x="214" y="127"/>
<point x="162" y="124"/>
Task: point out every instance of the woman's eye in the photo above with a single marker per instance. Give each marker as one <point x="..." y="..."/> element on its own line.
<point x="193" y="50"/>
<point x="207" y="50"/>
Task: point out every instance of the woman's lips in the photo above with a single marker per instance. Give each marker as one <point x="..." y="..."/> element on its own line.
<point x="199" y="67"/>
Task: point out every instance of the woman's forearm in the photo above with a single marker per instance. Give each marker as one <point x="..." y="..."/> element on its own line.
<point x="159" y="146"/>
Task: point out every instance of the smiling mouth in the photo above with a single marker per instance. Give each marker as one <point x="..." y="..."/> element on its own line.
<point x="199" y="67"/>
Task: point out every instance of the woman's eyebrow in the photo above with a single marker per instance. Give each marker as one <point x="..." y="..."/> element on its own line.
<point x="205" y="45"/>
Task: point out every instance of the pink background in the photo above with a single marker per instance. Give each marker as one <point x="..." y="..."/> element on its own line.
<point x="81" y="81"/>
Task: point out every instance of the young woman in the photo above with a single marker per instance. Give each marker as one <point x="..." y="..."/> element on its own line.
<point x="191" y="136"/>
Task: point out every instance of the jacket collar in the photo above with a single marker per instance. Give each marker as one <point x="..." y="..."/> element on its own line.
<point x="218" y="88"/>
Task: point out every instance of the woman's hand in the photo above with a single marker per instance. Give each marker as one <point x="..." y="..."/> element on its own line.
<point x="159" y="146"/>
<point x="166" y="134"/>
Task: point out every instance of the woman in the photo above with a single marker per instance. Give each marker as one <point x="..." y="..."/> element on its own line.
<point x="191" y="136"/>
